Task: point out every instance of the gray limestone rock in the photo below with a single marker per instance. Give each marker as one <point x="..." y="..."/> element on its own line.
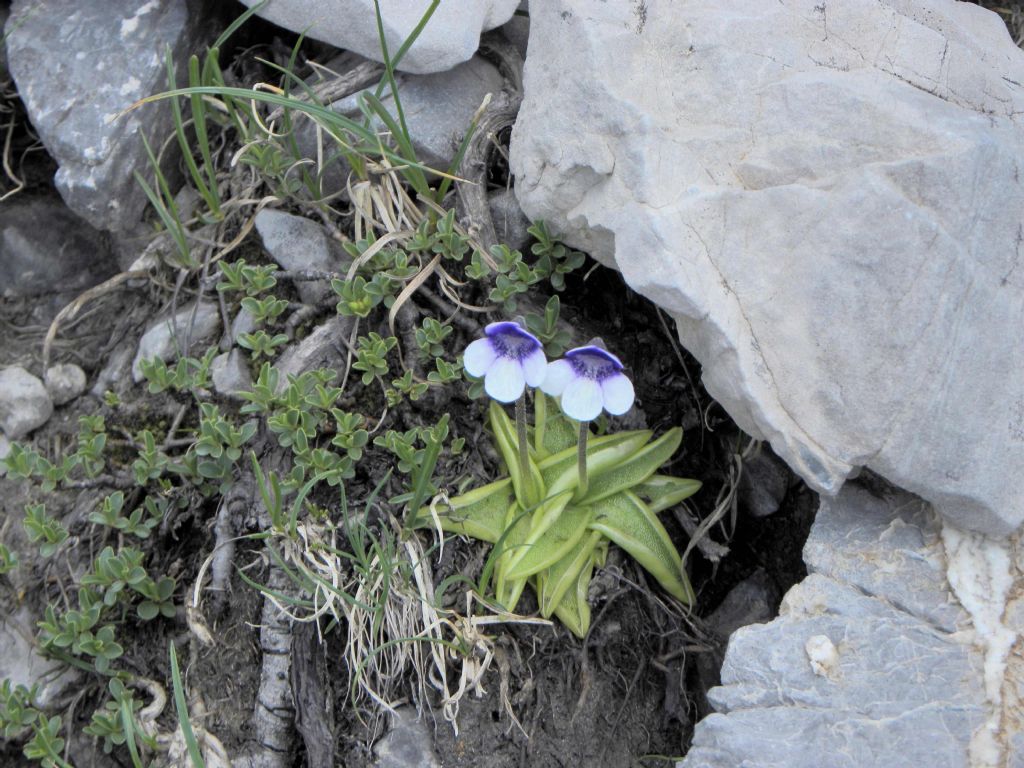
<point x="24" y="402"/>
<point x="64" y="382"/>
<point x="450" y="37"/>
<point x="818" y="194"/>
<point x="5" y="451"/>
<point x="864" y="666"/>
<point x="886" y="546"/>
<point x="409" y="743"/>
<point x="517" y="29"/>
<point x="78" y="65"/>
<point x="244" y="322"/>
<point x="166" y="337"/>
<point x="764" y="483"/>
<point x="752" y="601"/>
<point x="45" y="248"/>
<point x="438" y="107"/>
<point x="115" y="376"/>
<point x="22" y="665"/>
<point x="320" y="349"/>
<point x="230" y="374"/>
<point x="298" y="243"/>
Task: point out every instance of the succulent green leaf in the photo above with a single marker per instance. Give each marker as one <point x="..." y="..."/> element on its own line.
<point x="561" y="473"/>
<point x="660" y="492"/>
<point x="562" y="575"/>
<point x="627" y="521"/>
<point x="573" y="612"/>
<point x="480" y="513"/>
<point x="555" y="530"/>
<point x="507" y="591"/>
<point x="573" y="609"/>
<point x="634" y="468"/>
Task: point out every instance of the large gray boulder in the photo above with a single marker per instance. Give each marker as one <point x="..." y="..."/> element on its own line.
<point x="450" y="37"/>
<point x="78" y="64"/>
<point x="45" y="248"/>
<point x="872" y="661"/>
<point x="827" y="200"/>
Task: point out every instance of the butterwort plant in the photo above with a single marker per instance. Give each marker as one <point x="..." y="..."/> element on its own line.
<point x="567" y="494"/>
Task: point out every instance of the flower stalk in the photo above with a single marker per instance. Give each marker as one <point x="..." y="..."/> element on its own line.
<point x="524" y="447"/>
<point x="540" y="421"/>
<point x="581" y="458"/>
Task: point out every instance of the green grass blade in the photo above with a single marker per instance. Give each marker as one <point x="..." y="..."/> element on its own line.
<point x="337" y="124"/>
<point x="128" y="726"/>
<point x="181" y="707"/>
<point x="416" y="31"/>
<point x="234" y="25"/>
<point x="389" y="69"/>
<point x="179" y="132"/>
<point x="202" y="138"/>
<point x="269" y="492"/>
<point x="401" y="135"/>
<point x="513" y="516"/>
<point x="424" y="472"/>
<point x="165" y="209"/>
<point x="279" y="596"/>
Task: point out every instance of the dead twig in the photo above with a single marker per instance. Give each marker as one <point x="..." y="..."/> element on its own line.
<point x="471" y="192"/>
<point x="73" y="308"/>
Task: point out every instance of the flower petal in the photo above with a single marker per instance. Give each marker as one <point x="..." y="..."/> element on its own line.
<point x="478" y="357"/>
<point x="582" y="399"/>
<point x="505" y="380"/>
<point x="598" y="356"/>
<point x="618" y="394"/>
<point x="557" y="375"/>
<point x="535" y="367"/>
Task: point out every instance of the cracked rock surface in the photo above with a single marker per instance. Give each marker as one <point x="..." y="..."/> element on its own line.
<point x="818" y="194"/>
<point x="871" y="661"/>
<point x="78" y="65"/>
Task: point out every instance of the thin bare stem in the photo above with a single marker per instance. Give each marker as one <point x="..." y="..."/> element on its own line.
<point x="521" y="434"/>
<point x="581" y="456"/>
<point x="540" y="421"/>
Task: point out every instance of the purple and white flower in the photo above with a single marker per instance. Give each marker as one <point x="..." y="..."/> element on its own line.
<point x="508" y="359"/>
<point x="589" y="379"/>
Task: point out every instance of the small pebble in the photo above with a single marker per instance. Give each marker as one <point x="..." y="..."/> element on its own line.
<point x="230" y="374"/>
<point x="24" y="402"/>
<point x="64" y="382"/>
